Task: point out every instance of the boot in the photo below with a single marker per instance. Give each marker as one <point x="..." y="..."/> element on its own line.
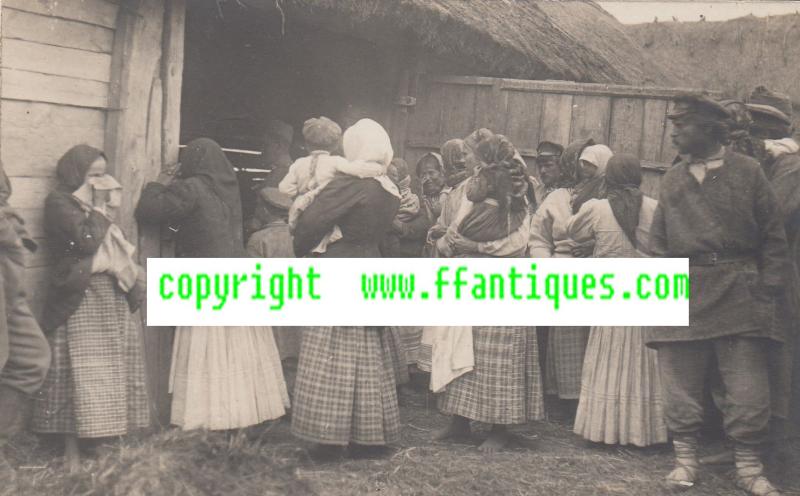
<point x="684" y="475"/>
<point x="750" y="472"/>
<point x="13" y="412"/>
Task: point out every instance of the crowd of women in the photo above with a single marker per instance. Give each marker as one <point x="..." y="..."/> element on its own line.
<point x="350" y="197"/>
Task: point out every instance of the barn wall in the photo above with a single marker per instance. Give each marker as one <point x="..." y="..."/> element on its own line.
<point x="629" y="119"/>
<point x="56" y="69"/>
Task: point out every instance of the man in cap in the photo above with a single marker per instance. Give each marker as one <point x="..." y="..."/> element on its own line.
<point x="547" y="156"/>
<point x="771" y="129"/>
<point x="716" y="208"/>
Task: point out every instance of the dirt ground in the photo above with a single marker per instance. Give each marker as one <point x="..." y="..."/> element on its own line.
<point x="549" y="460"/>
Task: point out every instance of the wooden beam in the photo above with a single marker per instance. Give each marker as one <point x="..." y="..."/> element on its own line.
<point x="133" y="145"/>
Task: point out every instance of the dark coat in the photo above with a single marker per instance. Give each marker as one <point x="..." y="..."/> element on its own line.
<point x="361" y="208"/>
<point x="75" y="236"/>
<point x="734" y="211"/>
<point x="203" y="206"/>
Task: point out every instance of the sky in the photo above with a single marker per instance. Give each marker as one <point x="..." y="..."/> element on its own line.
<point x="634" y="12"/>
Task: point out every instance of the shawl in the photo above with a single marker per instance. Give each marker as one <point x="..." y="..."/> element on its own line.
<point x="623" y="178"/>
<point x="595" y="187"/>
<point x="73" y="165"/>
<point x="368" y="141"/>
<point x="203" y="158"/>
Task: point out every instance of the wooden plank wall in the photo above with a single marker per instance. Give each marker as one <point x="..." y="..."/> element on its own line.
<point x="628" y="119"/>
<point x="56" y="69"/>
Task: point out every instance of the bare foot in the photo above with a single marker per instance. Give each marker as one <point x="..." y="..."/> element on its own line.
<point x="499" y="438"/>
<point x="458" y="429"/>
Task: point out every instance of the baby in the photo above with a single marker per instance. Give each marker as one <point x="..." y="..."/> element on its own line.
<point x="307" y="176"/>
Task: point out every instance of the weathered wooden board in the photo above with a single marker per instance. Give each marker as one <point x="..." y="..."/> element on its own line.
<point x="627" y="115"/>
<point x="591" y="117"/>
<point x="556" y="118"/>
<point x="458" y="112"/>
<point x="30" y="192"/>
<point x="36" y="135"/>
<point x="37" y="87"/>
<point x="655" y="112"/>
<point x="59" y="61"/>
<point x="524" y="117"/>
<point x="98" y="12"/>
<point x="48" y="30"/>
<point x="490" y="108"/>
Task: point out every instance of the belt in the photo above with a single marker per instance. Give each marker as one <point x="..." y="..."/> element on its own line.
<point x="707" y="259"/>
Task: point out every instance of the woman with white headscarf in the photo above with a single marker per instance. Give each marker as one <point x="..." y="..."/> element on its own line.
<point x="345" y="391"/>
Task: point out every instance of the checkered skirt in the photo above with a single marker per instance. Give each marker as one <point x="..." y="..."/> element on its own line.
<point x="506" y="386"/>
<point x="566" y="347"/>
<point x="345" y="388"/>
<point x="397" y="350"/>
<point x="96" y="384"/>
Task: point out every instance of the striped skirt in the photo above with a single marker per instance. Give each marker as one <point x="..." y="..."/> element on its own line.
<point x="96" y="385"/>
<point x="412" y="340"/>
<point x="621" y="400"/>
<point x="505" y="387"/>
<point x="425" y="352"/>
<point x="226" y="378"/>
<point x="566" y="347"/>
<point x="345" y="390"/>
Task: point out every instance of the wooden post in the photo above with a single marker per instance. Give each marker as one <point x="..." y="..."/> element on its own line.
<point x="133" y="144"/>
<point x="405" y="100"/>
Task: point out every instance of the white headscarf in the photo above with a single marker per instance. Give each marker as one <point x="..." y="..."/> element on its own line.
<point x="597" y="155"/>
<point x="367" y="141"/>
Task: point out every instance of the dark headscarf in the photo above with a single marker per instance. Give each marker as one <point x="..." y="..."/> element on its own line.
<point x="204" y="158"/>
<point x="569" y="164"/>
<point x="73" y="166"/>
<point x="453" y="152"/>
<point x="623" y="178"/>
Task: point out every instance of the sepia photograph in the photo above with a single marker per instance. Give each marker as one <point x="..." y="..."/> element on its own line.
<point x="540" y="138"/>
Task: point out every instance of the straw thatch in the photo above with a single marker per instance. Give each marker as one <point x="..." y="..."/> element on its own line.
<point x="571" y="40"/>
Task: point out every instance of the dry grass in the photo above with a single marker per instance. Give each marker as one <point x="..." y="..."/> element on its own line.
<point x="550" y="460"/>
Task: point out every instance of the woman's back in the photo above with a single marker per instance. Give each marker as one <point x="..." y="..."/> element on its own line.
<point x="596" y="220"/>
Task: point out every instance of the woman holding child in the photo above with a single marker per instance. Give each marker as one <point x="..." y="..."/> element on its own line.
<point x="345" y="390"/>
<point x="504" y="388"/>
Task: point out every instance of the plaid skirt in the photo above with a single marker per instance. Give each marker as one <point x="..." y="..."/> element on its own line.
<point x="506" y="386"/>
<point x="96" y="385"/>
<point x="397" y="350"/>
<point x="345" y="389"/>
<point x="425" y="352"/>
<point x="566" y="347"/>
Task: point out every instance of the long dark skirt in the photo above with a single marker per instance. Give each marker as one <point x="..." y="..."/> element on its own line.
<point x="345" y="390"/>
<point x="506" y="386"/>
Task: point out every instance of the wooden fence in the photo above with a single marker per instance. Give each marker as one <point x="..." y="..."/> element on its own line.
<point x="629" y="119"/>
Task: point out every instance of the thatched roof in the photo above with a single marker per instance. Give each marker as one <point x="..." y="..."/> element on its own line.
<point x="573" y="40"/>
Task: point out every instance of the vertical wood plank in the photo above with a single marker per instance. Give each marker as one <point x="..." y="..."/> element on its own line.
<point x="524" y="118"/>
<point x="653" y="129"/>
<point x="491" y="107"/>
<point x="556" y="119"/>
<point x="591" y="118"/>
<point x="627" y="115"/>
<point x="425" y="124"/>
<point x="458" y="111"/>
<point x="134" y="146"/>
